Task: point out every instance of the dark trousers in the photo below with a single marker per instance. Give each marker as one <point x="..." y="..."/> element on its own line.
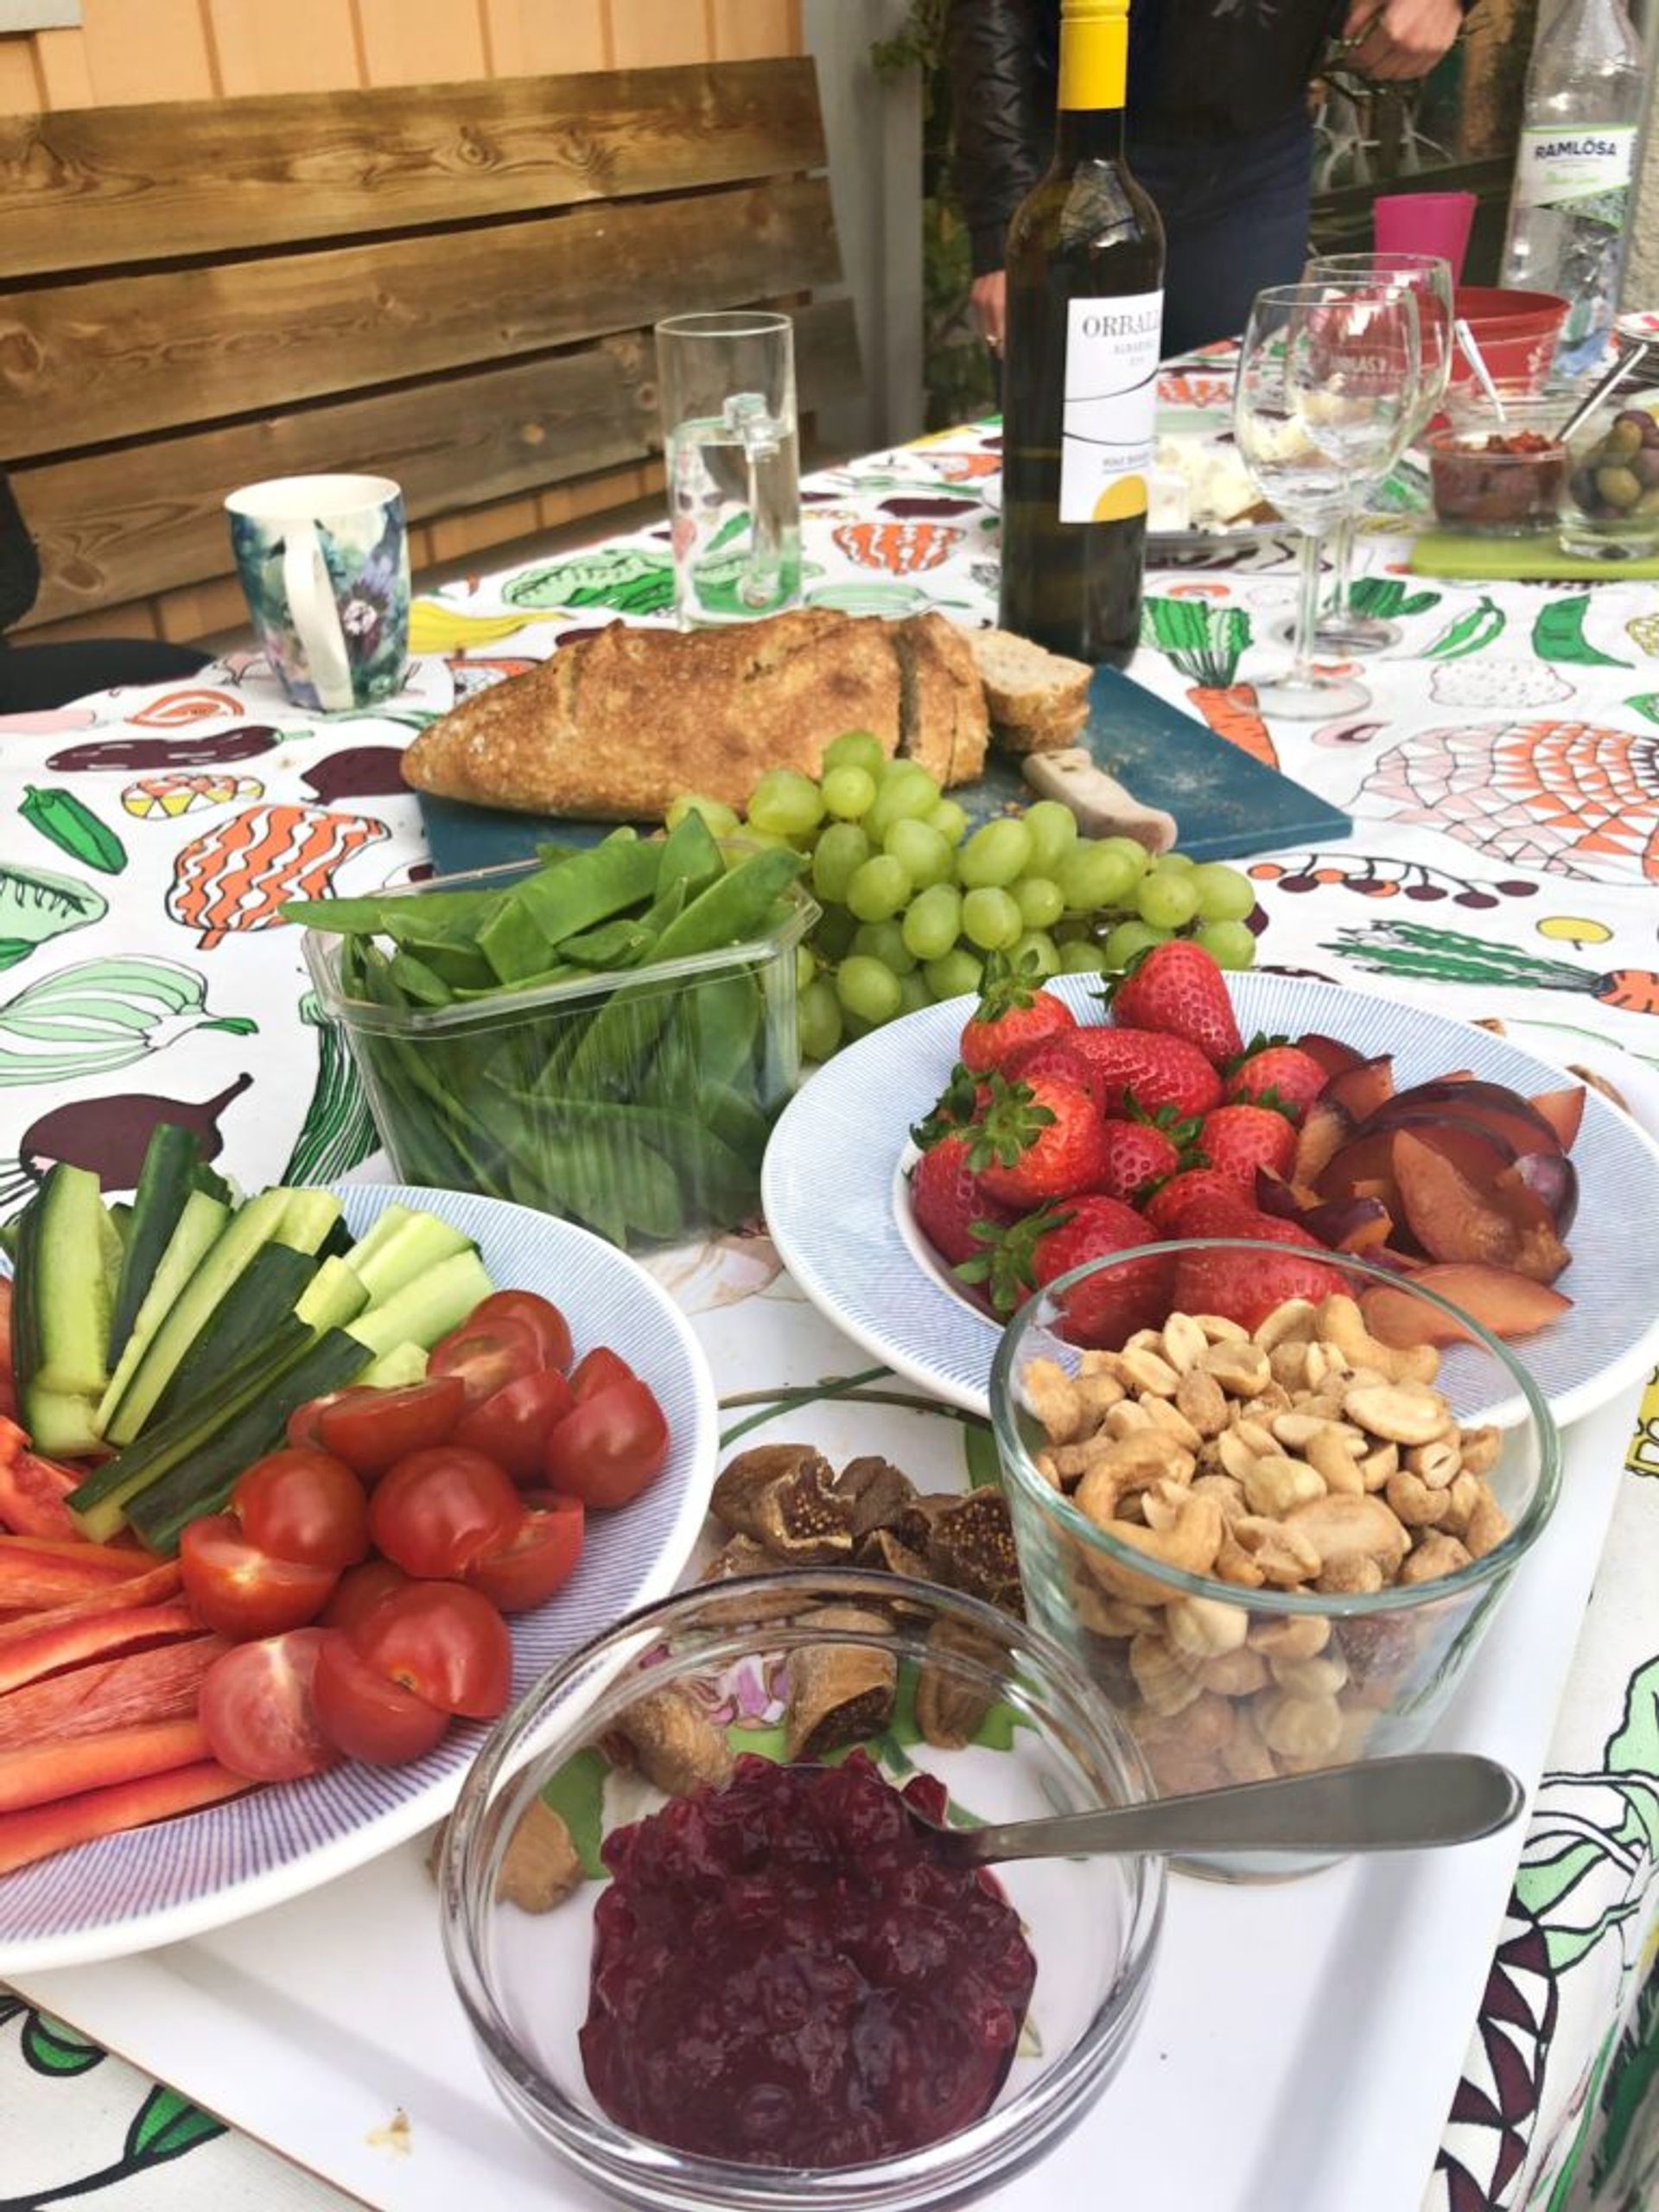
<point x="33" y="679"/>
<point x="1236" y="220"/>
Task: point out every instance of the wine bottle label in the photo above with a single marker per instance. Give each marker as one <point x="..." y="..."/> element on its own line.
<point x="1555" y="168"/>
<point x="1111" y="398"/>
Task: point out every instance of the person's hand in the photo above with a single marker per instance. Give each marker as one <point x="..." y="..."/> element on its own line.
<point x="989" y="302"/>
<point x="1393" y="39"/>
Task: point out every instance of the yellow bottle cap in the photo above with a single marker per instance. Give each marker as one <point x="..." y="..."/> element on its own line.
<point x="1091" y="12"/>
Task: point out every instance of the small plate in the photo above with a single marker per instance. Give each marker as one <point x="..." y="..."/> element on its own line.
<point x="180" y="1877"/>
<point x="859" y="1259"/>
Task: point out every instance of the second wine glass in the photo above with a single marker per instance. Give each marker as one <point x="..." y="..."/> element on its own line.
<point x="1326" y="395"/>
<point x="1343" y="626"/>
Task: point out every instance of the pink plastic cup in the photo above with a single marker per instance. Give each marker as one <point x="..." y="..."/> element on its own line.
<point x="1424" y="222"/>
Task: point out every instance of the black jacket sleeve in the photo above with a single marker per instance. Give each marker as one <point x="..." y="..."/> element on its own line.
<point x="20" y="567"/>
<point x="1002" y="99"/>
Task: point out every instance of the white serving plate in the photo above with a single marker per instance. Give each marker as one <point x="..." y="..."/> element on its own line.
<point x="859" y="1260"/>
<point x="1300" y="2051"/>
<point x="162" y="1884"/>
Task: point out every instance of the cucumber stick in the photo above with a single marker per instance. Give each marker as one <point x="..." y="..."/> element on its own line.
<point x="251" y="1227"/>
<point x="272" y="1284"/>
<point x="164" y="1185"/>
<point x="420" y="1242"/>
<point x="397" y="1369"/>
<point x="199" y="1226"/>
<point x="64" y="1256"/>
<point x="201" y="1482"/>
<point x="429" y="1307"/>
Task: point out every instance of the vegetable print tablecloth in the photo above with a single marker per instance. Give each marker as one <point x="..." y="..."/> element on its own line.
<point x="1503" y="772"/>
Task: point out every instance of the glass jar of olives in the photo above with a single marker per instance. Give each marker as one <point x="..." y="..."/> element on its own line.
<point x="1610" y="504"/>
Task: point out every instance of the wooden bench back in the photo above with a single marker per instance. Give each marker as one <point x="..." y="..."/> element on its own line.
<point x="450" y="284"/>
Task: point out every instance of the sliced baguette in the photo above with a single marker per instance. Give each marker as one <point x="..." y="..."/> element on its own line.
<point x="1037" y="700"/>
<point x="942" y="702"/>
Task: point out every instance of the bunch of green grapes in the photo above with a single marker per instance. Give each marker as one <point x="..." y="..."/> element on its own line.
<point x="915" y="900"/>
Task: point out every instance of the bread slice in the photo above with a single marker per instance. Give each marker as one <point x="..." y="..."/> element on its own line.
<point x="943" y="723"/>
<point x="1037" y="700"/>
<point x="616" y="726"/>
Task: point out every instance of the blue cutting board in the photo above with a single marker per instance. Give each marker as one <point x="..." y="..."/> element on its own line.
<point x="1226" y="804"/>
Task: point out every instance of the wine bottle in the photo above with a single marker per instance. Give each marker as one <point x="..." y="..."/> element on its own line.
<point x="1085" y="272"/>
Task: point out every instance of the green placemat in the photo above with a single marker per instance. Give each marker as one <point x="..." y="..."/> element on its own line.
<point x="1525" y="560"/>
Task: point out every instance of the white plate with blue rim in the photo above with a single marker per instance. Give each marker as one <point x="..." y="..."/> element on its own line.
<point x="182" y="1877"/>
<point x="836" y="1200"/>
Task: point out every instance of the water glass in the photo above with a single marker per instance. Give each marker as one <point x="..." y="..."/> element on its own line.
<point x="1327" y="394"/>
<point x="733" y="453"/>
<point x="1342" y="626"/>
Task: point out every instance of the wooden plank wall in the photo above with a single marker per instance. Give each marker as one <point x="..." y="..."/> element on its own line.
<point x="130" y="51"/>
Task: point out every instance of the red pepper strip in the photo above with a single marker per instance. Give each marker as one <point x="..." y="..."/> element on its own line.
<point x="158" y="1684"/>
<point x="32" y="1494"/>
<point x="28" y="1657"/>
<point x="12" y="1440"/>
<point x="46" y="1570"/>
<point x="43" y="1829"/>
<point x="41" y="1773"/>
<point x="143" y="1590"/>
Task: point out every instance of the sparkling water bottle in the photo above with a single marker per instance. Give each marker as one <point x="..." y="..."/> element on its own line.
<point x="1573" y="181"/>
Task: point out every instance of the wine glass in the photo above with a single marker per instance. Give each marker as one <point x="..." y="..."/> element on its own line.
<point x="1341" y="627"/>
<point x="1327" y="394"/>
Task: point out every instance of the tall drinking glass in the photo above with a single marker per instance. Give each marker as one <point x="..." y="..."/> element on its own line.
<point x="1325" y="395"/>
<point x="733" y="454"/>
<point x="1343" y="626"/>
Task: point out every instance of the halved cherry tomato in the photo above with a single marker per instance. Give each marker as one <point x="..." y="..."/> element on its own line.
<point x="370" y="1430"/>
<point x="435" y="1510"/>
<point x="551" y="1328"/>
<point x="610" y="1446"/>
<point x="303" y="1505"/>
<point x="511" y="1425"/>
<point x="241" y="1591"/>
<point x="446" y="1643"/>
<point x="359" y="1591"/>
<point x="532" y="1563"/>
<point x="256" y="1708"/>
<point x="596" y="1370"/>
<point x="364" y="1713"/>
<point x="487" y="1356"/>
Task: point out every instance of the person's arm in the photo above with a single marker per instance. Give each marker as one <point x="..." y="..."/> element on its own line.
<point x="991" y="55"/>
<point x="1401" y="39"/>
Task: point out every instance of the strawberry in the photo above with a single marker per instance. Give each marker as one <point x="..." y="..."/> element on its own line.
<point x="1059" y="1056"/>
<point x="1246" y="1287"/>
<point x="1274" y="1074"/>
<point x="964" y="1098"/>
<point x="1240" y="1139"/>
<point x="1110" y="1306"/>
<point x="1014" y="1012"/>
<point x="947" y="1201"/>
<point x="1199" y="1203"/>
<point x="1144" y="1151"/>
<point x="1038" y="1141"/>
<point x="1178" y="990"/>
<point x="1157" y="1070"/>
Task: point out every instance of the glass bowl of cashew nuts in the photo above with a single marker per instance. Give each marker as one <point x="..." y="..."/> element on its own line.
<point x="1276" y="1548"/>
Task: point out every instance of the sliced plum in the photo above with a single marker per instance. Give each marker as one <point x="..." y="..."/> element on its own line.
<point x="1498" y="1222"/>
<point x="1500" y="1111"/>
<point x="1563" y="1111"/>
<point x="1507" y="1304"/>
<point x="1363" y="1089"/>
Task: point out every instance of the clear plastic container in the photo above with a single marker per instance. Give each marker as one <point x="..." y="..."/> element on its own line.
<point x="637" y="1102"/>
<point x="1047" y="1745"/>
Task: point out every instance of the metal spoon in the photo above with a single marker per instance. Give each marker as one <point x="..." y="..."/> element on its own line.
<point x="1403" y="1804"/>
<point x="1625" y="366"/>
<point x="1476" y="360"/>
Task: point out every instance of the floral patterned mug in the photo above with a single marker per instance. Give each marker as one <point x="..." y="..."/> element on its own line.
<point x="324" y="560"/>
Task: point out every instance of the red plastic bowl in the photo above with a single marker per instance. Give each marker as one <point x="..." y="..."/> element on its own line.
<point x="1516" y="331"/>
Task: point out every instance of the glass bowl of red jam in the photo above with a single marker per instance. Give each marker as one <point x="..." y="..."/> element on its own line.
<point x="761" y="1986"/>
<point x="1493" y="477"/>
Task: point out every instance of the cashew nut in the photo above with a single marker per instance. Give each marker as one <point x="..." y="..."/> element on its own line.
<point x="1218" y="1330"/>
<point x="1203" y="1401"/>
<point x="1343" y="1324"/>
<point x="1480" y="1450"/>
<point x="1285" y="1555"/>
<point x="1240" y="1367"/>
<point x="1466" y="1494"/>
<point x="1350" y="1577"/>
<point x="1204" y="1628"/>
<point x="1294" y="1322"/>
<point x="1376" y="1466"/>
<point x="1275" y="1484"/>
<point x="1189" y="1544"/>
<point x="1301" y="1727"/>
<point x="1438" y="1464"/>
<point x="1436" y="1555"/>
<point x="1168" y="1416"/>
<point x="1399" y="1413"/>
<point x="1347" y="1528"/>
<point x="1226" y="1490"/>
<point x="1147" y="1370"/>
<point x="1329" y="1456"/>
<point x="1288" y="1363"/>
<point x="1052" y="1398"/>
<point x="1246" y="1757"/>
<point x="1319" y="1678"/>
<point x="1234" y="1673"/>
<point x="1164" y="1680"/>
<point x="1488" y="1526"/>
<point x="1411" y="1500"/>
<point x="1292" y="1636"/>
<point x="1129" y="1463"/>
<point x="1184" y="1341"/>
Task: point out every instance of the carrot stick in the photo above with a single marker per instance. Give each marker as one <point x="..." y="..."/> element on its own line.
<point x="43" y="1829"/>
<point x="1231" y="711"/>
<point x="143" y="1590"/>
<point x="157" y="1684"/>
<point x="40" y="1774"/>
<point x="26" y="1658"/>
